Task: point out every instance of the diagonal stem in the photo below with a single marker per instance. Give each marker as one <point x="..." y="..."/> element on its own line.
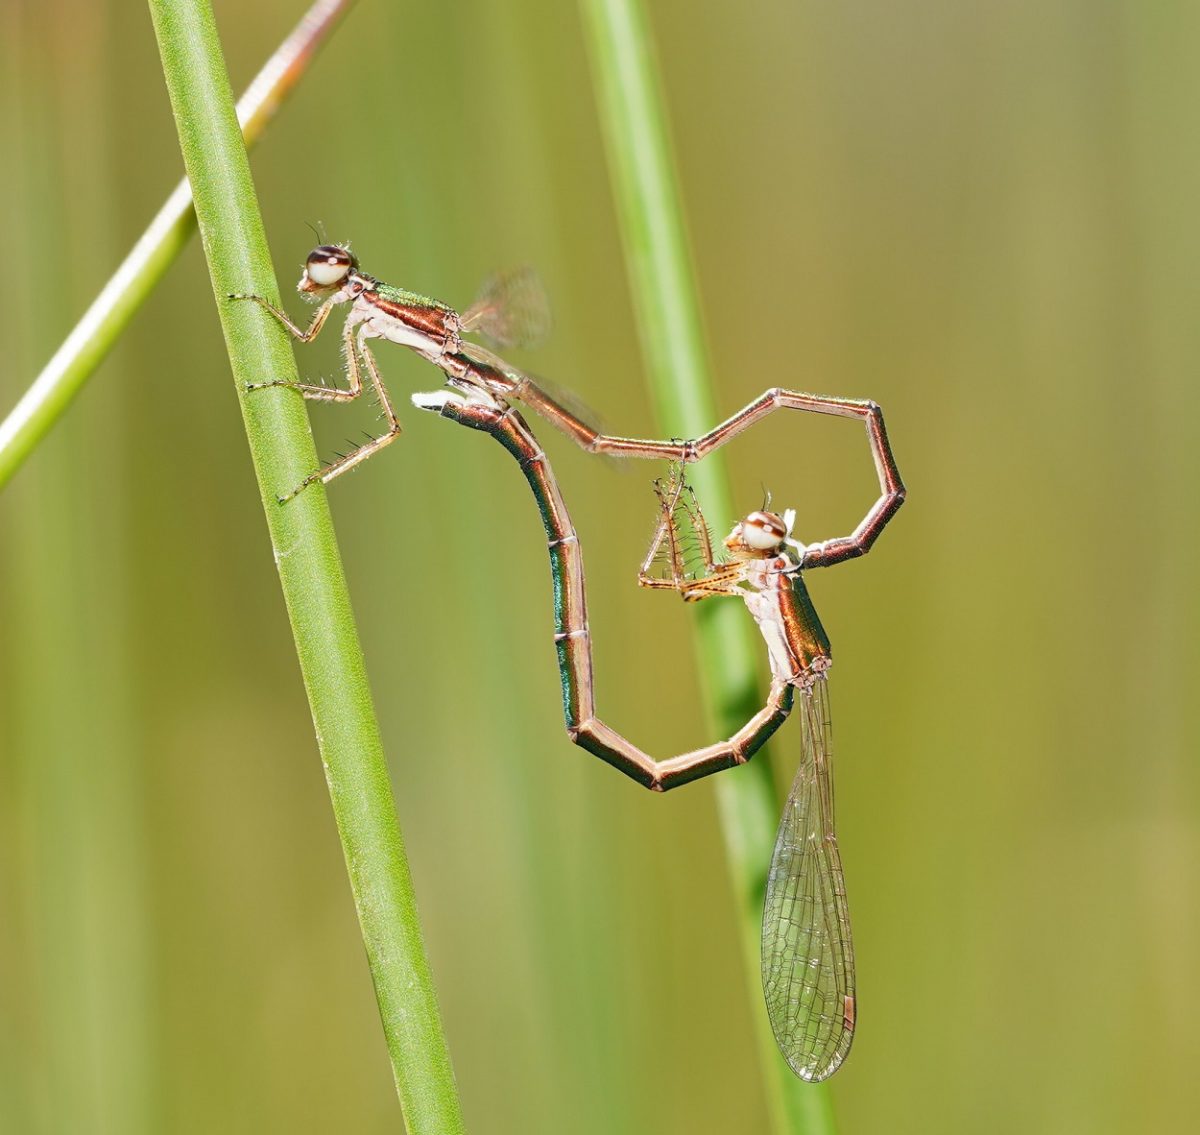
<point x="89" y="341"/>
<point x="309" y="565"/>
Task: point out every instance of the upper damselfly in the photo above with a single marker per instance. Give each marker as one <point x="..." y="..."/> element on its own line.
<point x="511" y="311"/>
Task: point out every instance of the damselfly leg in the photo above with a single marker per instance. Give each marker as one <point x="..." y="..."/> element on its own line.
<point x="358" y="357"/>
<point x="331" y="276"/>
<point x="682" y="534"/>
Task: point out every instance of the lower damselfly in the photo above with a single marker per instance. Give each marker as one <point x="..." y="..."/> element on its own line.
<point x="807" y="951"/>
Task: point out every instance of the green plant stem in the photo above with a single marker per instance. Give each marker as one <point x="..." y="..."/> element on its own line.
<point x="662" y="280"/>
<point x="90" y="340"/>
<point x="310" y="569"/>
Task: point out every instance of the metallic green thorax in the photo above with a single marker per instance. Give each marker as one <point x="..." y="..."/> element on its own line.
<point x="407" y="299"/>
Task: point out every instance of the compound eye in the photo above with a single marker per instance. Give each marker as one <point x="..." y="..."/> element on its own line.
<point x="328" y="265"/>
<point x="763" y="531"/>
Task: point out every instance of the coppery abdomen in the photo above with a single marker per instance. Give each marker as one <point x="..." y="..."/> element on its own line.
<point x="806" y="638"/>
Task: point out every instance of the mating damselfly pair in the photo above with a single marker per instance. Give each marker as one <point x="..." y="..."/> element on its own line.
<point x="807" y="955"/>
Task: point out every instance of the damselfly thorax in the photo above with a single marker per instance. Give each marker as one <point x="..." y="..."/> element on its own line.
<point x="427" y="327"/>
<point x="775" y="595"/>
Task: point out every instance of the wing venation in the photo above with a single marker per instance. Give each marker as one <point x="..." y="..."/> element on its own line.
<point x="807" y="953"/>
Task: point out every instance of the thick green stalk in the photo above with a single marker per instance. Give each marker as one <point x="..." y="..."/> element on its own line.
<point x="90" y="340"/>
<point x="310" y="569"/>
<point x="650" y="210"/>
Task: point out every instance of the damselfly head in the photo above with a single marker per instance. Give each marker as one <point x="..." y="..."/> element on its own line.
<point x="326" y="269"/>
<point x="759" y="535"/>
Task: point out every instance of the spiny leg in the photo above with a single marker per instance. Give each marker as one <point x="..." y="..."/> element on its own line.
<point x="724" y="579"/>
<point x="700" y="526"/>
<point x="311" y="390"/>
<point x="325" y="393"/>
<point x="667" y="529"/>
<point x="306" y="336"/>
<point x="355" y="347"/>
<point x="718" y="579"/>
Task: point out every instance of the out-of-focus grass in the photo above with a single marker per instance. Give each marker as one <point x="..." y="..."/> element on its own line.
<point x="77" y="1050"/>
<point x="980" y="216"/>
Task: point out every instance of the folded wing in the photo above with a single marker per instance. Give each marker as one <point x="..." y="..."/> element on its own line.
<point x="807" y="954"/>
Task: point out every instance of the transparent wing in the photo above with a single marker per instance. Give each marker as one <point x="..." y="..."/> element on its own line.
<point x="807" y="955"/>
<point x="565" y="399"/>
<point x="511" y="311"/>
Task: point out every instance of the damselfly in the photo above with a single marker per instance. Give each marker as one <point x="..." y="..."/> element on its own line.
<point x="807" y="953"/>
<point x="511" y="311"/>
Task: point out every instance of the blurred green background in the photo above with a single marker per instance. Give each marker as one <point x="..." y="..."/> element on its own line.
<point x="981" y="215"/>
